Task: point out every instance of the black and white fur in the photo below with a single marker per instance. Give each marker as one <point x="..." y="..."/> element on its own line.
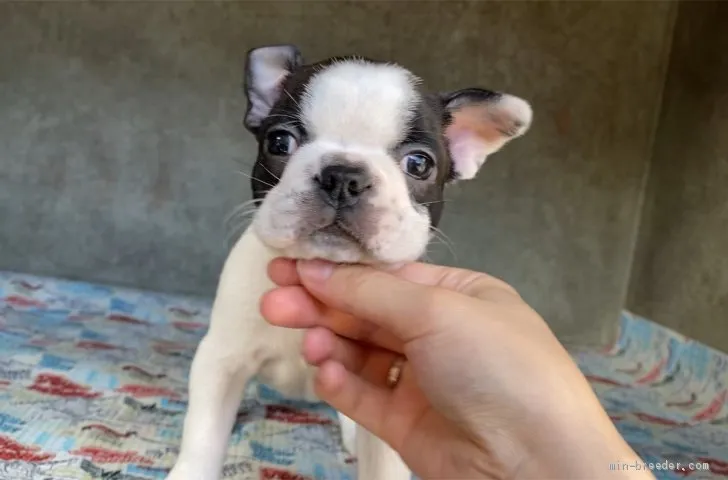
<point x="353" y="159"/>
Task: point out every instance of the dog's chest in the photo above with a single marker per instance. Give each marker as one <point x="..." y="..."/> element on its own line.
<point x="237" y="327"/>
<point x="284" y="368"/>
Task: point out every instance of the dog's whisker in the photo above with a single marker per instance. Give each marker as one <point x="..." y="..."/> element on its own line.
<point x="433" y="202"/>
<point x="271" y="173"/>
<point x="426" y="257"/>
<point x="443" y="240"/>
<point x="235" y="211"/>
<point x="237" y="228"/>
<point x="234" y="231"/>
<point x="256" y="179"/>
<point x="285" y="116"/>
<point x="241" y="216"/>
<point x="242" y="221"/>
<point x="249" y="206"/>
<point x="233" y="236"/>
<point x="295" y="102"/>
<point x="440" y="235"/>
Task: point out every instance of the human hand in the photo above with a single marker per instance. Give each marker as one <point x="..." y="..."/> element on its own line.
<point x="487" y="390"/>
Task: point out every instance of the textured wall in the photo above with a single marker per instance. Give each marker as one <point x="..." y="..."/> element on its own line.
<point x="680" y="266"/>
<point x="120" y="130"/>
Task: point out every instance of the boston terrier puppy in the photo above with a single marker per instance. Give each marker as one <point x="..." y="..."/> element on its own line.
<point x="352" y="162"/>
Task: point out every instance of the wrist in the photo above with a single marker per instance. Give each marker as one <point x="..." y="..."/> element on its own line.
<point x="577" y="445"/>
<point x="598" y="456"/>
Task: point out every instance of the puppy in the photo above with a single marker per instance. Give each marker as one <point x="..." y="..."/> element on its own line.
<point x="352" y="162"/>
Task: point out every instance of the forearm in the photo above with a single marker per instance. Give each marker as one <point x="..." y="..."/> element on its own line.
<point x="583" y="445"/>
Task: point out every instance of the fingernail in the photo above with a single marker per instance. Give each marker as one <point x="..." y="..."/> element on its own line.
<point x="315" y="269"/>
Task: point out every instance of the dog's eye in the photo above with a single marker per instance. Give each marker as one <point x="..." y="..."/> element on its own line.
<point x="418" y="165"/>
<point x="281" y="143"/>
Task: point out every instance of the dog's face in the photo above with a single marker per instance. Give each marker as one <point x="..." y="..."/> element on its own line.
<point x="354" y="157"/>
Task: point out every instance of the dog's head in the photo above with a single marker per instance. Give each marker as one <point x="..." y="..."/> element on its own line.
<point x="354" y="156"/>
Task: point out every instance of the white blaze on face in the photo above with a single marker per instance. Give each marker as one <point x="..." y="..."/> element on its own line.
<point x="358" y="111"/>
<point x="359" y="104"/>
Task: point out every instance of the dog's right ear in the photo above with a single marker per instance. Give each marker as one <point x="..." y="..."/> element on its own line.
<point x="265" y="70"/>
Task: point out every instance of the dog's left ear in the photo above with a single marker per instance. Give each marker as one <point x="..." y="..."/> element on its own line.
<point x="480" y="122"/>
<point x="265" y="70"/>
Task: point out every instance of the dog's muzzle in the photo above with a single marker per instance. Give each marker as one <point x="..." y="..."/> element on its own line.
<point x="342" y="186"/>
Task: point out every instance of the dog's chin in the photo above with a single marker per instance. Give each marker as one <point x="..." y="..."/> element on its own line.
<point x="334" y="243"/>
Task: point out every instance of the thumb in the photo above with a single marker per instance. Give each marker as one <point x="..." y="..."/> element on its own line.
<point x="399" y="305"/>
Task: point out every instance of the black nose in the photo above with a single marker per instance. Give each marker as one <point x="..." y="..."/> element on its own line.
<point x="343" y="185"/>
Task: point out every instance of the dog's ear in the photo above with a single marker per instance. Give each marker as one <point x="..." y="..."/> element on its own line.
<point x="480" y="122"/>
<point x="265" y="70"/>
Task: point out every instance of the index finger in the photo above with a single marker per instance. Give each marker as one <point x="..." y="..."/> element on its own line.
<point x="294" y="307"/>
<point x="467" y="282"/>
<point x="400" y="306"/>
<point x="283" y="272"/>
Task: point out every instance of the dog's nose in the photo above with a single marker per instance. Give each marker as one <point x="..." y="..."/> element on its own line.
<point x="343" y="185"/>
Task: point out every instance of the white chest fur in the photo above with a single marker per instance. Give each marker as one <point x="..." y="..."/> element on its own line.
<point x="237" y="326"/>
<point x="239" y="345"/>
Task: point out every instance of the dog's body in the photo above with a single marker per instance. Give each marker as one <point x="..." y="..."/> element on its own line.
<point x="224" y="363"/>
<point x="352" y="164"/>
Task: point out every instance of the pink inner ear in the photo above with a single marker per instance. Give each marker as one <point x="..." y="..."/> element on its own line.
<point x="473" y="135"/>
<point x="480" y="129"/>
<point x="467" y="149"/>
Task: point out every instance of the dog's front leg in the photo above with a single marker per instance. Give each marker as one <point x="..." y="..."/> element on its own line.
<point x="224" y="362"/>
<point x="217" y="382"/>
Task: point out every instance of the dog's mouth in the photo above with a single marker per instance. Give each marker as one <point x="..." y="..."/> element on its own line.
<point x="336" y="232"/>
<point x="370" y="233"/>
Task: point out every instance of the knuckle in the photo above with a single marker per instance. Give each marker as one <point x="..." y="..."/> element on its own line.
<point x="353" y="281"/>
<point x="432" y="302"/>
<point x="485" y="287"/>
<point x="347" y="287"/>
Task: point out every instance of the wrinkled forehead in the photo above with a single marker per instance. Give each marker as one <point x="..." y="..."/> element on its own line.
<point x="355" y="102"/>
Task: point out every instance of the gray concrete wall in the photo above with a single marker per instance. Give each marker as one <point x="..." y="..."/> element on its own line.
<point x="120" y="134"/>
<point x="680" y="275"/>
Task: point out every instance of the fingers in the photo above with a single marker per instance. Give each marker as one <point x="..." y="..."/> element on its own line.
<point x="414" y="291"/>
<point x="394" y="304"/>
<point x="291" y="307"/>
<point x="390" y="414"/>
<point x="283" y="272"/>
<point x="359" y="400"/>
<point x="377" y="296"/>
<point x="370" y="363"/>
<point x="467" y="282"/>
<point x="294" y="307"/>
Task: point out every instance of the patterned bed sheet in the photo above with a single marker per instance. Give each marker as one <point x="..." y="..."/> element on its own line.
<point x="93" y="385"/>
